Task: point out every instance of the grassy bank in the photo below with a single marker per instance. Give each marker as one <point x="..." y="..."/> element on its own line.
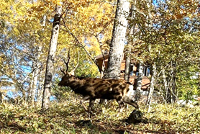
<point x="70" y="117"/>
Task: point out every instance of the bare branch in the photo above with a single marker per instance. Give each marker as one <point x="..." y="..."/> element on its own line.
<point x="78" y="42"/>
<point x="75" y="67"/>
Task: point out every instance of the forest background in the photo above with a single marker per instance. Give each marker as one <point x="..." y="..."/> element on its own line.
<point x="166" y="33"/>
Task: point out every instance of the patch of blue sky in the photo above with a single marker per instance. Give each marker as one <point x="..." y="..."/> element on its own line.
<point x="52" y="98"/>
<point x="26" y="69"/>
<point x="87" y="42"/>
<point x="19" y="93"/>
<point x="19" y="47"/>
<point x="26" y="85"/>
<point x="10" y="94"/>
<point x="51" y="20"/>
<point x="9" y="52"/>
<point x="101" y="36"/>
<point x="10" y="88"/>
<point x="3" y="77"/>
<point x="11" y="91"/>
<point x="125" y="42"/>
<point x="156" y="2"/>
<point x="157" y="25"/>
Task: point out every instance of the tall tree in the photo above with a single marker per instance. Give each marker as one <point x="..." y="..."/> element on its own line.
<point x="35" y="76"/>
<point x="139" y="80"/>
<point x="131" y="30"/>
<point x="151" y="90"/>
<point x="50" y="58"/>
<point x="118" y="39"/>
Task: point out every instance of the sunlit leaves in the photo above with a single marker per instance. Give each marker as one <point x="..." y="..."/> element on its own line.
<point x="165" y="32"/>
<point x="86" y="20"/>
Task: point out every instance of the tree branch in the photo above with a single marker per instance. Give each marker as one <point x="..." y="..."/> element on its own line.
<point x="78" y="42"/>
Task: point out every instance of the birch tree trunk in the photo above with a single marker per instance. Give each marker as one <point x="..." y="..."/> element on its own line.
<point x="127" y="65"/>
<point x="40" y="90"/>
<point x="173" y="82"/>
<point x="33" y="82"/>
<point x="35" y="77"/>
<point x="139" y="81"/>
<point x="128" y="51"/>
<point x="50" y="58"/>
<point x="118" y="39"/>
<point x="151" y="87"/>
<point x="165" y="83"/>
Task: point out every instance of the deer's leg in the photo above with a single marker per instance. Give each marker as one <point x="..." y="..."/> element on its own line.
<point x="130" y="102"/>
<point x="121" y="105"/>
<point x="91" y="104"/>
<point x="102" y="101"/>
<point x="83" y="105"/>
<point x="129" y="98"/>
<point x="84" y="99"/>
<point x="134" y="103"/>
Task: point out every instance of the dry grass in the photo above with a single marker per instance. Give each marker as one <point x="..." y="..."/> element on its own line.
<point x="70" y="117"/>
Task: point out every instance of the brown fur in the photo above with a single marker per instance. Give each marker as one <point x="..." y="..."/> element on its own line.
<point x="96" y="88"/>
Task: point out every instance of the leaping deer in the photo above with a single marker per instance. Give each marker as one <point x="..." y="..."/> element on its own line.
<point x="97" y="88"/>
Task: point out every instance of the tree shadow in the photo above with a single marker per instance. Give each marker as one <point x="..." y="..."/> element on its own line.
<point x="13" y="126"/>
<point x="123" y="126"/>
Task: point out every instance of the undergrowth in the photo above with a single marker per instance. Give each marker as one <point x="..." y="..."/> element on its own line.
<point x="69" y="117"/>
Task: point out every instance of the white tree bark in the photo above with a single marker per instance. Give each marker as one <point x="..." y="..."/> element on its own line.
<point x="165" y="83"/>
<point x="50" y="58"/>
<point x="139" y="80"/>
<point x="131" y="30"/>
<point x="151" y="87"/>
<point x="118" y="39"/>
<point x="127" y="65"/>
<point x="32" y="89"/>
<point x="35" y="77"/>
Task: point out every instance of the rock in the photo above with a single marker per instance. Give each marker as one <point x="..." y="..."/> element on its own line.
<point x="84" y="123"/>
<point x="135" y="117"/>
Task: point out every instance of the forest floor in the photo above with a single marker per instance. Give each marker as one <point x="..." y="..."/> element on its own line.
<point x="69" y="117"/>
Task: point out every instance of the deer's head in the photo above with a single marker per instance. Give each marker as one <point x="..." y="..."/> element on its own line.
<point x="68" y="77"/>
